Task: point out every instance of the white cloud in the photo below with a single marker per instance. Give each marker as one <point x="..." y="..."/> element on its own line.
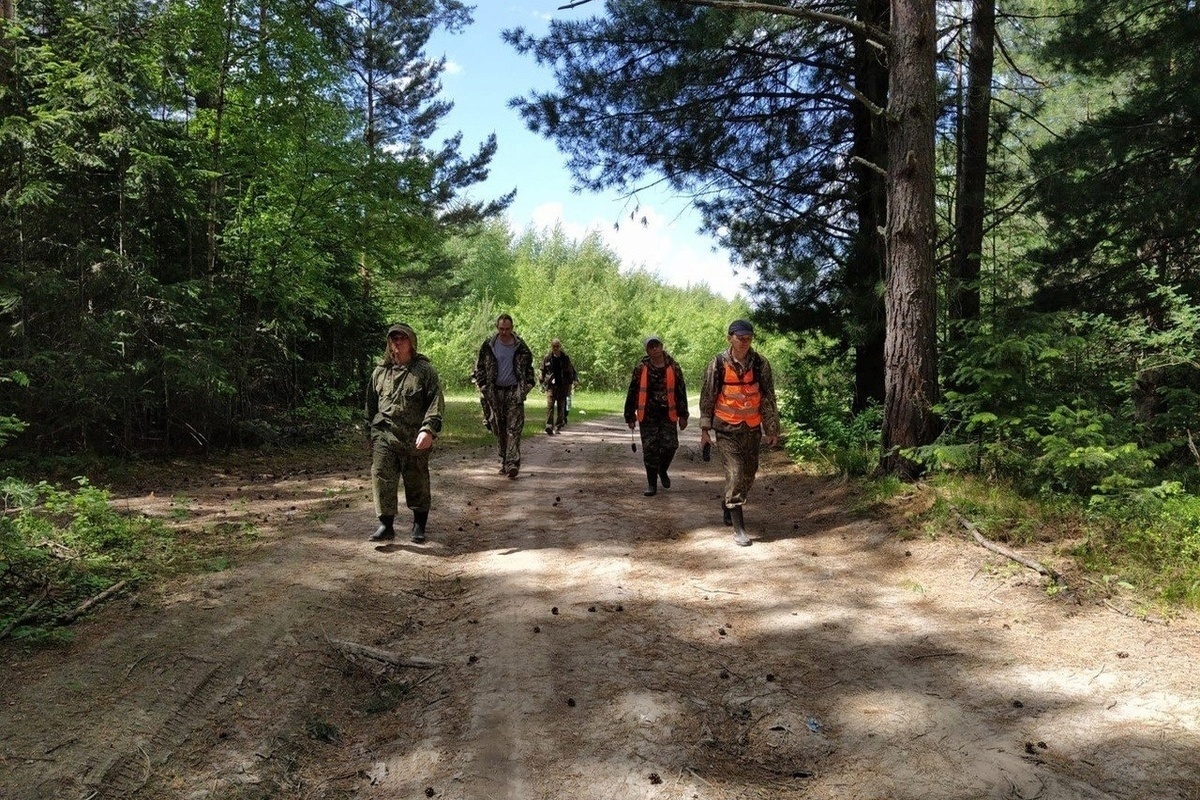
<point x="666" y="248"/>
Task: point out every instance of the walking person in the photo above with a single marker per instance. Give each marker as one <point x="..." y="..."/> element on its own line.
<point x="737" y="403"/>
<point x="657" y="400"/>
<point x="504" y="374"/>
<point x="404" y="412"/>
<point x="558" y="380"/>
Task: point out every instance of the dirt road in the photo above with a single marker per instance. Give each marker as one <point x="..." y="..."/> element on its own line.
<point x="593" y="643"/>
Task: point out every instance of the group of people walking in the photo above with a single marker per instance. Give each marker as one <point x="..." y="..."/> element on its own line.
<point x="405" y="406"/>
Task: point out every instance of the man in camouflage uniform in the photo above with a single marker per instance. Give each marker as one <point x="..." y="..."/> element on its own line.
<point x="558" y="379"/>
<point x="504" y="374"/>
<point x="404" y="415"/>
<point x="657" y="398"/>
<point x="737" y="401"/>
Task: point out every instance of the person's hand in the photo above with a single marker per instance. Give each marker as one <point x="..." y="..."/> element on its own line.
<point x="683" y="423"/>
<point x="772" y="440"/>
<point x="704" y="437"/>
<point x="424" y="440"/>
<point x="632" y="425"/>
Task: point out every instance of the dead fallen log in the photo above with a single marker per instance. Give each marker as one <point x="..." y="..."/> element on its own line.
<point x="63" y="619"/>
<point x="1006" y="552"/>
<point x="386" y="656"/>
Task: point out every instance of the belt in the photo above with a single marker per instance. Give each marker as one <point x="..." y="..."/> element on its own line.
<point x="514" y="386"/>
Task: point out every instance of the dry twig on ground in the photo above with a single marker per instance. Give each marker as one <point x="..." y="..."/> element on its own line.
<point x="1036" y="566"/>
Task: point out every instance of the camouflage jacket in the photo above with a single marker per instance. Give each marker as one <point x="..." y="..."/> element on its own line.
<point x="405" y="398"/>
<point x="486" y="367"/>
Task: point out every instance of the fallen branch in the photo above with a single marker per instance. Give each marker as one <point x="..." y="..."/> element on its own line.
<point x="714" y="591"/>
<point x="1006" y="552"/>
<point x="70" y="616"/>
<point x="386" y="656"/>
<point x="1126" y="613"/>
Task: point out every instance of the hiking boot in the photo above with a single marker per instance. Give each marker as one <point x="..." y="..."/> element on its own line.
<point x="740" y="537"/>
<point x="418" y="528"/>
<point x="385" y="532"/>
<point x="549" y="430"/>
<point x="512" y="472"/>
<point x="651" y="482"/>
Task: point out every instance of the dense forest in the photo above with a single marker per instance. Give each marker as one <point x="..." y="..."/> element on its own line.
<point x="974" y="226"/>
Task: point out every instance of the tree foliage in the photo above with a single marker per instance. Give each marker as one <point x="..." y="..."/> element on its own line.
<point x="207" y="208"/>
<point x="557" y="287"/>
<point x="757" y="117"/>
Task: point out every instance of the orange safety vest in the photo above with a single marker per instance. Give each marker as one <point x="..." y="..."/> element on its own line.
<point x="644" y="393"/>
<point x="737" y="402"/>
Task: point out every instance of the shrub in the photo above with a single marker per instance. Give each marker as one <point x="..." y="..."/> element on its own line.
<point x="59" y="547"/>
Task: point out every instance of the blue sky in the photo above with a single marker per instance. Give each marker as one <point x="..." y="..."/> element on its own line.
<point x="482" y="74"/>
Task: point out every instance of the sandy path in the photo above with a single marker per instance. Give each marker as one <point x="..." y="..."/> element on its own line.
<point x="598" y="644"/>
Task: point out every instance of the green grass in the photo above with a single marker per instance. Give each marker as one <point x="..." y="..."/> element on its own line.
<point x="462" y="424"/>
<point x="1150" y="549"/>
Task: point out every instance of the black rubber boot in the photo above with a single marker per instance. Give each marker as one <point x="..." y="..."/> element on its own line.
<point x="725" y="514"/>
<point x="418" y="529"/>
<point x="651" y="482"/>
<point x="385" y="532"/>
<point x="662" y="471"/>
<point x="740" y="537"/>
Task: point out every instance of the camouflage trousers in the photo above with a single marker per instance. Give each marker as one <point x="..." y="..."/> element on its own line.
<point x="660" y="440"/>
<point x="739" y="456"/>
<point x="508" y="418"/>
<point x="394" y="459"/>
<point x="556" y="400"/>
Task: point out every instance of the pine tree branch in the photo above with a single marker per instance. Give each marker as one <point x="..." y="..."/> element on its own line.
<point x="874" y="35"/>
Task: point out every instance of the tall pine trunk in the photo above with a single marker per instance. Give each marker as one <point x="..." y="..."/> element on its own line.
<point x="964" y="303"/>
<point x="866" y="266"/>
<point x="910" y="351"/>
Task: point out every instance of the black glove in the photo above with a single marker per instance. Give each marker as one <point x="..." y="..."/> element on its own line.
<point x="706" y="452"/>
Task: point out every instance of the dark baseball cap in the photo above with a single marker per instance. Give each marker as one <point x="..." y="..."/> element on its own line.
<point x="740" y="326"/>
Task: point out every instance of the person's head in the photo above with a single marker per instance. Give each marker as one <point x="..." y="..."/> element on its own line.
<point x="654" y="347"/>
<point x="504" y="327"/>
<point x="402" y="342"/>
<point x="740" y="335"/>
<point x="556" y="347"/>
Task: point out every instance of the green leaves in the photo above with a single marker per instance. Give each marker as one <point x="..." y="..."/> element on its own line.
<point x="60" y="547"/>
<point x="197" y="215"/>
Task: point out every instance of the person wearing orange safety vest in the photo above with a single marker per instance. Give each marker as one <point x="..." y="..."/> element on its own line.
<point x="657" y="401"/>
<point x="737" y="403"/>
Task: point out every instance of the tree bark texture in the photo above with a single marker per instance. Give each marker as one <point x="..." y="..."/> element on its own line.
<point x="866" y="266"/>
<point x="972" y="177"/>
<point x="910" y="351"/>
